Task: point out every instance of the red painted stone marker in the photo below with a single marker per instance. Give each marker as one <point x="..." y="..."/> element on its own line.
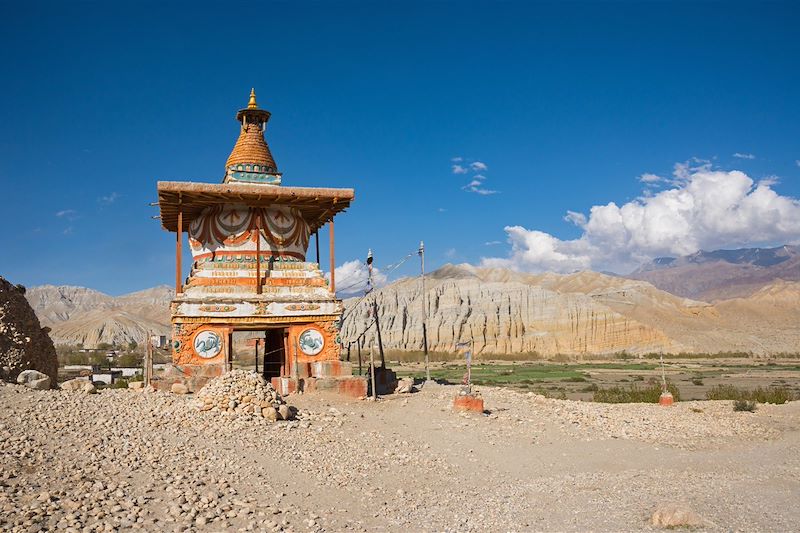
<point x="468" y="402"/>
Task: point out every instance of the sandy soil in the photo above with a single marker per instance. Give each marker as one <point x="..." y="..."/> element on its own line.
<point x="121" y="459"/>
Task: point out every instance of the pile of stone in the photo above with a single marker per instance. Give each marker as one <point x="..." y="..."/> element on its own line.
<point x="245" y="393"/>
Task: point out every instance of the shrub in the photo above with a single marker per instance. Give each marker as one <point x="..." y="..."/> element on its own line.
<point x="776" y="395"/>
<point x="744" y="405"/>
<point x="119" y="384"/>
<point x="697" y="381"/>
<point x="634" y="394"/>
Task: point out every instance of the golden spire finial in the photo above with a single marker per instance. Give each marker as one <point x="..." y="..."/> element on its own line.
<point x="252" y="103"/>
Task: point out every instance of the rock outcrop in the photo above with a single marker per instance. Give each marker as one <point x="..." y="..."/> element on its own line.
<point x="24" y="344"/>
<point x="585" y="313"/>
<point x="500" y="317"/>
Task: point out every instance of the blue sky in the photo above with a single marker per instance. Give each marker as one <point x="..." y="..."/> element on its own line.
<point x="567" y="105"/>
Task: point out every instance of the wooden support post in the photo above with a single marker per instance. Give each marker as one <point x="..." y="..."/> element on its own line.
<point x="179" y="253"/>
<point x="378" y="328"/>
<point x="316" y="241"/>
<point x="372" y="373"/>
<point x="256" y="354"/>
<point x="258" y="255"/>
<point x="358" y="345"/>
<point x="333" y="262"/>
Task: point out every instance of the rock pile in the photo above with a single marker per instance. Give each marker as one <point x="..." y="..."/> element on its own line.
<point x="24" y="343"/>
<point x="246" y="393"/>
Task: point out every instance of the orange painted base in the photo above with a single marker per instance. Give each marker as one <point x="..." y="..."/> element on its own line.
<point x="468" y="402"/>
<point x="666" y="399"/>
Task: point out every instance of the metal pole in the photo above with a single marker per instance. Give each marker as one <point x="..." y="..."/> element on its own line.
<point x="255" y="346"/>
<point x="372" y="367"/>
<point x="424" y="312"/>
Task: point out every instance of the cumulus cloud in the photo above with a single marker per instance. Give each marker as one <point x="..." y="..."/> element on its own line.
<point x="744" y="156"/>
<point x="703" y="208"/>
<point x="66" y="213"/>
<point x="478" y="166"/>
<point x="351" y="278"/>
<point x="650" y="178"/>
<point x="457" y="159"/>
<point x="458" y="169"/>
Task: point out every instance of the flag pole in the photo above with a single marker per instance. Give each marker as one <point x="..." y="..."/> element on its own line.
<point x="424" y="311"/>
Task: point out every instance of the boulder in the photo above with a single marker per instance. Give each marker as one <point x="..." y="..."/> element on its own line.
<point x="24" y="344"/>
<point x="74" y="385"/>
<point x="89" y="388"/>
<point x="404" y="385"/>
<point x="284" y="412"/>
<point x="270" y="413"/>
<point x="179" y="388"/>
<point x="34" y="379"/>
<point x="672" y="515"/>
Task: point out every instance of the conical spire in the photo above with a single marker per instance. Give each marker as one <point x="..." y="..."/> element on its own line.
<point x="251" y="160"/>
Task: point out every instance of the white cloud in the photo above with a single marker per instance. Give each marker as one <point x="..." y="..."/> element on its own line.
<point x="650" y="178"/>
<point x="704" y="209"/>
<point x="441" y="210"/>
<point x="457" y="159"/>
<point x="797" y="162"/>
<point x="110" y="199"/>
<point x="66" y="213"/>
<point x="478" y="166"/>
<point x="450" y="253"/>
<point x="458" y="169"/>
<point x="351" y="277"/>
<point x="744" y="156"/>
<point x="492" y="243"/>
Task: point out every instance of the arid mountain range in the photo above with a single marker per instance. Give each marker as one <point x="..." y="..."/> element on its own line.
<point x="742" y="300"/>
<point x="77" y="315"/>
<point x="722" y="274"/>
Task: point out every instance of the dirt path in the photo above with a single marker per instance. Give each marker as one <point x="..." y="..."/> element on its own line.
<point x="119" y="460"/>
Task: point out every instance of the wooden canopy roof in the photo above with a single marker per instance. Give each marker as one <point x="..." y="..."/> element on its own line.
<point x="318" y="205"/>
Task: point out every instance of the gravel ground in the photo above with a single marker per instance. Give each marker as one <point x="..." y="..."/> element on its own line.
<point x="152" y="461"/>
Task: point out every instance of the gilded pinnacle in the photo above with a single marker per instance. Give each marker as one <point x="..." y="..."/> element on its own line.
<point x="252" y="103"/>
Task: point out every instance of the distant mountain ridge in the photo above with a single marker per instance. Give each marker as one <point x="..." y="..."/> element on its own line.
<point x="755" y="295"/>
<point x="722" y="274"/>
<point x="78" y="315"/>
<point x="584" y="313"/>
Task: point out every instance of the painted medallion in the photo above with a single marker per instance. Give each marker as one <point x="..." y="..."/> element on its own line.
<point x="207" y="344"/>
<point x="311" y="341"/>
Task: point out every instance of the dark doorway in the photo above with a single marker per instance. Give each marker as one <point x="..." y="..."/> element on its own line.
<point x="274" y="353"/>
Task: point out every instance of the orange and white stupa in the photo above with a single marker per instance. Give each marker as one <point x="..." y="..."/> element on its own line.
<point x="249" y="238"/>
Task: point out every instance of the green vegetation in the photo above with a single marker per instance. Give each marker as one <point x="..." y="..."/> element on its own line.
<point x="697" y="381"/>
<point x="777" y="395"/>
<point x="744" y="405"/>
<point x="634" y="393"/>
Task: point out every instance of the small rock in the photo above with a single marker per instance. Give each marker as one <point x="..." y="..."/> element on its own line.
<point x="675" y="515"/>
<point x="89" y="388"/>
<point x="284" y="412"/>
<point x="34" y="379"/>
<point x="404" y="386"/>
<point x="74" y="385"/>
<point x="270" y="413"/>
<point x="179" y="388"/>
<point x="136" y="385"/>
